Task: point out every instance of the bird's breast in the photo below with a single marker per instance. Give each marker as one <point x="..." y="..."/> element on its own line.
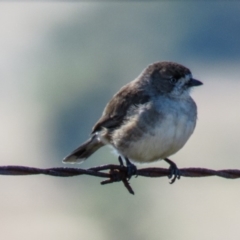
<point x="155" y="133"/>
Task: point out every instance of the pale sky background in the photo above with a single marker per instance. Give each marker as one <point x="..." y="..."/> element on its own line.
<point x="59" y="65"/>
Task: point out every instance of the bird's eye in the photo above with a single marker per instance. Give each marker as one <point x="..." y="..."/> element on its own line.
<point x="172" y="80"/>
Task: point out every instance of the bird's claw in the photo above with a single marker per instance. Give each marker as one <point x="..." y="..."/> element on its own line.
<point x="131" y="168"/>
<point x="174" y="171"/>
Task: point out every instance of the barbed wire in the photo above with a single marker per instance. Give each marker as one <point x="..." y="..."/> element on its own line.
<point x="117" y="173"/>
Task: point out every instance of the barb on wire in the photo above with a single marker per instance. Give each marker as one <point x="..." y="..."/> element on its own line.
<point x="117" y="173"/>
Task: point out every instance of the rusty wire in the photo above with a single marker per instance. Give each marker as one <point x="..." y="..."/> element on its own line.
<point x="117" y="173"/>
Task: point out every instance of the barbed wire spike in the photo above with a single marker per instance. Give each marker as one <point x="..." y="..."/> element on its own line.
<point x="117" y="173"/>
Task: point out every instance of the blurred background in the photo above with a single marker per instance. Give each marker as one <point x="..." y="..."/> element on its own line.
<point x="59" y="65"/>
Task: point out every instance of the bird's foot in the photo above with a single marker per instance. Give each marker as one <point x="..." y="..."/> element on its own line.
<point x="174" y="171"/>
<point x="131" y="168"/>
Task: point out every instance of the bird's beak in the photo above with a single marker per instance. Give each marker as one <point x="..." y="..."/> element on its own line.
<point x="194" y="83"/>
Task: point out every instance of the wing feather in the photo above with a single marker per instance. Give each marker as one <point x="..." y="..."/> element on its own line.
<point x="116" y="110"/>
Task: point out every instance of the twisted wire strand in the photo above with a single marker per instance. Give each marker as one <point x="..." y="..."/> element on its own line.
<point x="117" y="173"/>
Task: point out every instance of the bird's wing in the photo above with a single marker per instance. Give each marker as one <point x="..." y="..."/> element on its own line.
<point x="116" y="110"/>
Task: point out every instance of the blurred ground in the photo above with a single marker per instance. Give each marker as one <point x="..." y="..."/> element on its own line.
<point x="59" y="65"/>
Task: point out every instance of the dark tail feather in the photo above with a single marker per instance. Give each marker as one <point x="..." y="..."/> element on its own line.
<point x="84" y="151"/>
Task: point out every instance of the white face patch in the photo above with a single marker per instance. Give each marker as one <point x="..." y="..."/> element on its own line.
<point x="180" y="90"/>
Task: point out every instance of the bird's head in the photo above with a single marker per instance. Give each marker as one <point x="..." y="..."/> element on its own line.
<point x="169" y="78"/>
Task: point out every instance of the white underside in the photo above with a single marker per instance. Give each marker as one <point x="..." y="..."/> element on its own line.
<point x="162" y="140"/>
<point x="169" y="137"/>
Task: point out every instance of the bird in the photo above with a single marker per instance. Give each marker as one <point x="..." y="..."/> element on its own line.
<point x="148" y="119"/>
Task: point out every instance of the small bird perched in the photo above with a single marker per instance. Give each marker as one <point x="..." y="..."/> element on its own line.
<point x="148" y="119"/>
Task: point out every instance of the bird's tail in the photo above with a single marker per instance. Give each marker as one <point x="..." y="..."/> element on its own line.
<point x="84" y="151"/>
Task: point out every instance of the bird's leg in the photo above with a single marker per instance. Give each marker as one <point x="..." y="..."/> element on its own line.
<point x="174" y="171"/>
<point x="131" y="168"/>
<point x="120" y="160"/>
